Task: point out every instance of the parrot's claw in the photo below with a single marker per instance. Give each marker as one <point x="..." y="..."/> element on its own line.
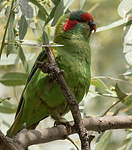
<point x="40" y="63"/>
<point x="66" y="123"/>
<point x="62" y="72"/>
<point x="62" y="121"/>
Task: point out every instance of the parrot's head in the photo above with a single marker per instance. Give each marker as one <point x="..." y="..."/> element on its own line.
<point x="75" y="25"/>
<point x="78" y="17"/>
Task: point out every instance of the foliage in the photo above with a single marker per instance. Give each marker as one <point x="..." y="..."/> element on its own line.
<point x="26" y="21"/>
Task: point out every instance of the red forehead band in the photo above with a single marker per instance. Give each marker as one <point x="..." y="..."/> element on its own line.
<point x="87" y="16"/>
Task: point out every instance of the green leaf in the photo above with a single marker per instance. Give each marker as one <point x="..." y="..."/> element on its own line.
<point x="11" y="36"/>
<point x="129" y="146"/>
<point x="6" y="123"/>
<point x="112" y="25"/>
<point x="4" y="99"/>
<point x="82" y="2"/>
<point x="128" y="101"/>
<point x="7" y="11"/>
<point x="41" y="15"/>
<point x="55" y="2"/>
<point x="129" y="136"/>
<point x="122" y="147"/>
<point x="23" y="26"/>
<point x="13" y="78"/>
<point x="121" y="95"/>
<point x="124" y="7"/>
<point x="7" y="107"/>
<point x="10" y="60"/>
<point x="23" y="58"/>
<point x="26" y="9"/>
<point x="42" y="11"/>
<point x="98" y="83"/>
<point x="104" y="141"/>
<point x="61" y="8"/>
<point x="51" y="15"/>
<point x="125" y="99"/>
<point x="128" y="72"/>
<point x="128" y="56"/>
<point x="45" y="38"/>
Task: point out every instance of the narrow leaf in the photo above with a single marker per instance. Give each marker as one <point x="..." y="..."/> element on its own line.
<point x="104" y="141"/>
<point x="125" y="99"/>
<point x="42" y="10"/>
<point x="61" y="8"/>
<point x="82" y="2"/>
<point x="26" y="9"/>
<point x="121" y="95"/>
<point x="4" y="99"/>
<point x="23" y="58"/>
<point x="13" y="78"/>
<point x="128" y="72"/>
<point x="51" y="15"/>
<point x="98" y="83"/>
<point x="22" y="27"/>
<point x="128" y="101"/>
<point x="45" y="38"/>
<point x="129" y="135"/>
<point x="124" y="7"/>
<point x="112" y="25"/>
<point x="10" y="60"/>
<point x="11" y="36"/>
<point x="129" y="146"/>
<point x="7" y="107"/>
<point x="128" y="56"/>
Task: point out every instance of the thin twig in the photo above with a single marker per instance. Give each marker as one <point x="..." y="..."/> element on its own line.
<point x="4" y="99"/>
<point x="105" y="95"/>
<point x="6" y="27"/>
<point x="68" y="138"/>
<point x="110" y="108"/>
<point x="94" y="7"/>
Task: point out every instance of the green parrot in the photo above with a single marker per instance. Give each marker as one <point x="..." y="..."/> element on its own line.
<point x="42" y="96"/>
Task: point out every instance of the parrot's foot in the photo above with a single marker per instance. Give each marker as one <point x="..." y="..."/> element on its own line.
<point x="67" y="124"/>
<point x="63" y="121"/>
<point x="61" y="72"/>
<point x="43" y="66"/>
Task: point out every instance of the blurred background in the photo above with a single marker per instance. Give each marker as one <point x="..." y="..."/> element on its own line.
<point x="111" y="48"/>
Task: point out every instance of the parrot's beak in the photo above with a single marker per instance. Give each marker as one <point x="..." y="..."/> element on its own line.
<point x="92" y="25"/>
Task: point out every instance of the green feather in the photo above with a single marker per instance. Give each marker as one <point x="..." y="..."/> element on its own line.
<point x="42" y="95"/>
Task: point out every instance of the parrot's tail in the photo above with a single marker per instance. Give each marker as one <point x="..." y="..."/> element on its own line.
<point x="16" y="126"/>
<point x="19" y="124"/>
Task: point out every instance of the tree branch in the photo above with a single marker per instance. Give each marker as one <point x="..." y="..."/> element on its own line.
<point x="9" y="144"/>
<point x="99" y="124"/>
<point x="27" y="138"/>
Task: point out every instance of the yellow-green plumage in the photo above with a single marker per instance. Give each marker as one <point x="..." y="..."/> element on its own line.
<point x="42" y="96"/>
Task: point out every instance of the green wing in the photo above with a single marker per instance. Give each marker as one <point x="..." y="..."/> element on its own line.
<point x="21" y="113"/>
<point x="42" y="56"/>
